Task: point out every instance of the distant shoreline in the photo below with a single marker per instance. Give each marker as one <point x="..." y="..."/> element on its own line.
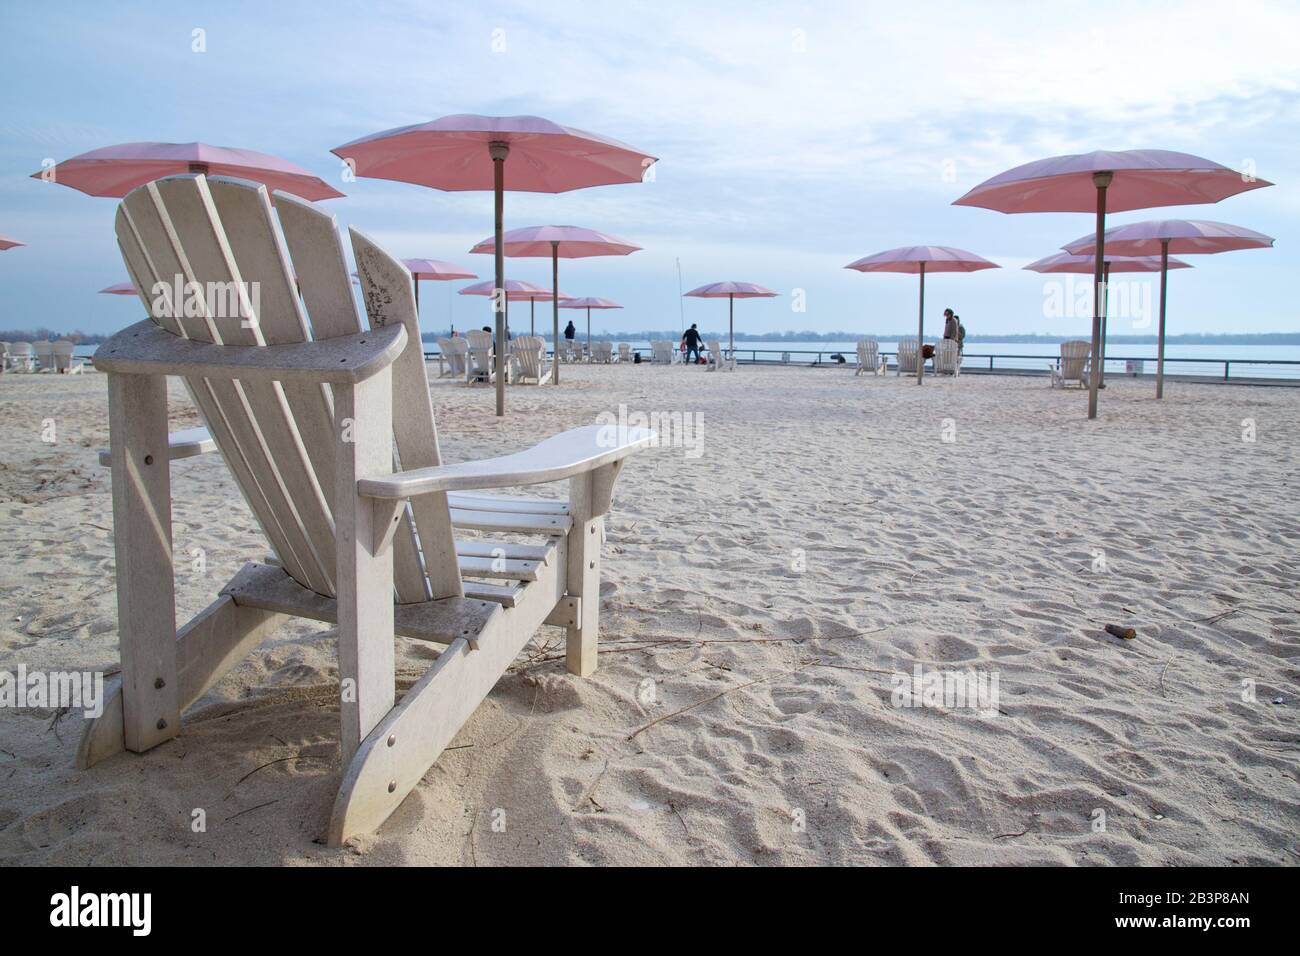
<point x="1192" y="338"/>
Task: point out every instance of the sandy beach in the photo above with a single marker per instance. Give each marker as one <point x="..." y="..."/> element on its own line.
<point x="763" y="589"/>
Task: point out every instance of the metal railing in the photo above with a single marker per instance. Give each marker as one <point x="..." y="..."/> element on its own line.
<point x="1270" y="371"/>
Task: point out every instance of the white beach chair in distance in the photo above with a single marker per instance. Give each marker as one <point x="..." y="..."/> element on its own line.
<point x="307" y="418"/>
<point x="44" y="354"/>
<point x="457" y="355"/>
<point x="1076" y="356"/>
<point x="869" y="359"/>
<point x="908" y="356"/>
<point x="719" y="358"/>
<point x="4" y="357"/>
<point x="624" y="352"/>
<point x="661" y="353"/>
<point x="602" y="353"/>
<point x="444" y="367"/>
<point x="527" y="353"/>
<point x="947" y="358"/>
<point x="478" y="366"/>
<point x="22" y="357"/>
<point x="61" y="354"/>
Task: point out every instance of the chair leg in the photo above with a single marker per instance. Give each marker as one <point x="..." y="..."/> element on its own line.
<point x="364" y="416"/>
<point x="142" y="541"/>
<point x="583" y="580"/>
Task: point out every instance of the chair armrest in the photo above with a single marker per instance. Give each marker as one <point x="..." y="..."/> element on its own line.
<point x="560" y="456"/>
<point x="181" y="444"/>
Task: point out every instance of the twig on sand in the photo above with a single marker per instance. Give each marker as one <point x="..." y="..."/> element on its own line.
<point x="1002" y="836"/>
<point x="722" y="693"/>
<point x="251" y="809"/>
<point x="1162" y="673"/>
<point x="270" y="764"/>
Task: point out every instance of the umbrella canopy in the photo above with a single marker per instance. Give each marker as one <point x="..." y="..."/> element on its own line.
<point x="466" y="151"/>
<point x="918" y="260"/>
<point x="116" y="170"/>
<point x="1184" y="236"/>
<point x="555" y="243"/>
<point x="1140" y="179"/>
<point x="119" y="288"/>
<point x="1163" y="236"/>
<point x="575" y="243"/>
<point x="8" y="243"/>
<point x="435" y="270"/>
<point x="1106" y="180"/>
<point x="1065" y="262"/>
<point x="589" y="303"/>
<point x="516" y="290"/>
<point x="731" y="291"/>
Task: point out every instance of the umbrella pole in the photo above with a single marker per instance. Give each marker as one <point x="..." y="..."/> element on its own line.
<point x="1105" y="322"/>
<point x="1101" y="180"/>
<point x="417" y="299"/>
<point x="499" y="151"/>
<point x="1160" y="340"/>
<point x="532" y="316"/>
<point x="920" y="330"/>
<point x="555" y="312"/>
<point x="731" y="326"/>
<point x="588" y="333"/>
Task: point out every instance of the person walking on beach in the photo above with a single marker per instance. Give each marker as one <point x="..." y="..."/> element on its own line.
<point x="691" y="340"/>
<point x="570" y="331"/>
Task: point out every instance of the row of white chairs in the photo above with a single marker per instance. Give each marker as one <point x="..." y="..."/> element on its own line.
<point x="946" y="361"/>
<point x="39" y="357"/>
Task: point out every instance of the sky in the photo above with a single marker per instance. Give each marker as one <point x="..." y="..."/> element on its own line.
<point x="793" y="138"/>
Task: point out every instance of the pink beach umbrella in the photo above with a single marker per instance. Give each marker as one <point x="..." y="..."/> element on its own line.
<point x="116" y="170"/>
<point x="731" y="291"/>
<point x="1103" y="181"/>
<point x="516" y="291"/>
<point x="918" y="260"/>
<point x="556" y="242"/>
<point x="119" y="288"/>
<point x="1163" y="236"/>
<point x="434" y="270"/>
<point x="588" y="304"/>
<point x="7" y="243"/>
<point x="521" y="153"/>
<point x="1083" y="264"/>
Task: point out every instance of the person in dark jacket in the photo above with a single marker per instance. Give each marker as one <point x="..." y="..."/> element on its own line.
<point x="691" y="339"/>
<point x="570" y="331"/>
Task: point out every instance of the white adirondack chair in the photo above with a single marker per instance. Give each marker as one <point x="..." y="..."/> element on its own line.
<point x="444" y="367"/>
<point x="719" y="358"/>
<point x="1076" y="356"/>
<point x="308" y="419"/>
<point x="624" y="352"/>
<point x="869" y="359"/>
<point x="4" y="357"/>
<point x="478" y="366"/>
<point x="44" y="353"/>
<point x="22" y="357"/>
<point x="63" y="362"/>
<point x="457" y="355"/>
<point x="947" y="358"/>
<point x="908" y="355"/>
<point x="602" y="353"/>
<point x="661" y="353"/>
<point x="528" y="355"/>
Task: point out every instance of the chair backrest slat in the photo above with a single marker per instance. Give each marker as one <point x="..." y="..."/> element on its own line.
<point x="155" y="260"/>
<point x="388" y="294"/>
